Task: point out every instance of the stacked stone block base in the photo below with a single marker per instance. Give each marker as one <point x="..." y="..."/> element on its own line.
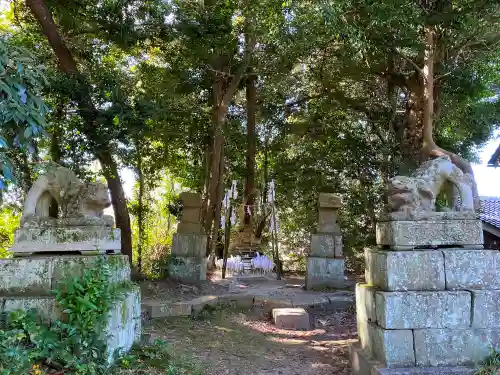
<point x="436" y="309"/>
<point x="325" y="264"/>
<point x="25" y="284"/>
<point x="189" y="262"/>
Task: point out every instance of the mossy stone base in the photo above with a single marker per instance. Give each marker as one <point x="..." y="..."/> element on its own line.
<point x="53" y="239"/>
<point x="37" y="276"/>
<point x="25" y="284"/>
<point x="122" y="327"/>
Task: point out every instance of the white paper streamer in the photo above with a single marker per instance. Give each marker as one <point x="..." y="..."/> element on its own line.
<point x="226" y="202"/>
<point x="270" y="194"/>
<point x="273" y="224"/>
<point x="234" y="190"/>
<point x="248" y="210"/>
<point x="222" y="221"/>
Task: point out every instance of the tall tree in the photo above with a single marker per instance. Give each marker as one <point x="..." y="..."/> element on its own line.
<point x="89" y="113"/>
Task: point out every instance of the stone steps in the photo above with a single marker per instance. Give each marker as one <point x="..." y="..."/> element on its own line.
<point x="161" y="309"/>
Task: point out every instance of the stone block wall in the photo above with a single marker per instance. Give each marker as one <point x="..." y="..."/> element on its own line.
<point x="325" y="262"/>
<point x="429" y="308"/>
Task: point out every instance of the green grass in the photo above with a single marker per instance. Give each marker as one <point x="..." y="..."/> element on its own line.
<point x="155" y="359"/>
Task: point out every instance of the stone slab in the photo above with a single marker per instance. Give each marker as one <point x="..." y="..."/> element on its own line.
<point x="45" y="306"/>
<point x="363" y="364"/>
<point x="191" y="215"/>
<point x="323" y="245"/>
<point x="405" y="270"/>
<point x="164" y="309"/>
<point x="365" y="302"/>
<point x="84" y="238"/>
<point x="268" y="303"/>
<point x="415" y="310"/>
<point x="472" y="269"/>
<point x="327" y="221"/>
<point x="240" y="300"/>
<point x="189" y="245"/>
<point x="324" y="272"/>
<point x="25" y="275"/>
<point x="189" y="199"/>
<point x="188" y="269"/>
<point x="393" y="348"/>
<point x="485" y="308"/>
<point x="199" y="303"/>
<point x="190" y="228"/>
<point x="291" y="318"/>
<point x="123" y="324"/>
<point x="305" y="300"/>
<point x="454" y="347"/>
<point x="39" y="275"/>
<point x="406" y="235"/>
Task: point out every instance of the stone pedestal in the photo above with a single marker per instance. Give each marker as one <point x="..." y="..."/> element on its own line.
<point x="325" y="263"/>
<point x="188" y="263"/>
<point x="427" y="312"/>
<point x="407" y="235"/>
<point x="25" y="283"/>
<point x="189" y="245"/>
<point x="84" y="239"/>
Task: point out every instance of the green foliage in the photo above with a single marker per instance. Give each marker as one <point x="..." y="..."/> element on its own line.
<point x="22" y="111"/>
<point x="158" y="356"/>
<point x="9" y="221"/>
<point x="491" y="365"/>
<point x="74" y="342"/>
<point x="333" y="88"/>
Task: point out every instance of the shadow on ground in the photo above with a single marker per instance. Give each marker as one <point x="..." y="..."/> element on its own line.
<point x="239" y="342"/>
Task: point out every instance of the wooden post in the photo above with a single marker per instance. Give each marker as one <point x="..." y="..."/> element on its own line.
<point x="227" y="238"/>
<point x="274" y="240"/>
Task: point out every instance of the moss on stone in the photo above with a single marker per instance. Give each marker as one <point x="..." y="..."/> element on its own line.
<point x="124" y="311"/>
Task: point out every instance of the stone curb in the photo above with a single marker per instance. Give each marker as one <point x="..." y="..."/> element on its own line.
<point x="162" y="309"/>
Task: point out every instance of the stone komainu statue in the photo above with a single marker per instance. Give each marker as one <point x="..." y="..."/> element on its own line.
<point x="79" y="203"/>
<point x="418" y="193"/>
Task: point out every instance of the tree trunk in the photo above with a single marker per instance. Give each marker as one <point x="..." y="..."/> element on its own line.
<point x="218" y="209"/>
<point x="55" y="153"/>
<point x="118" y="200"/>
<point x="251" y="98"/>
<point x="89" y="114"/>
<point x="420" y="113"/>
<point x="140" y="212"/>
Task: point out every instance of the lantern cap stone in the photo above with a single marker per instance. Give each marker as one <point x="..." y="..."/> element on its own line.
<point x="329" y="200"/>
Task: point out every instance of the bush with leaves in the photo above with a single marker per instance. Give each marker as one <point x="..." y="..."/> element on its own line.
<point x="22" y="111"/>
<point x="9" y="221"/>
<point x="75" y="342"/>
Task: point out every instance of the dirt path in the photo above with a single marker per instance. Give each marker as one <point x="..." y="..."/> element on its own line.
<point x="246" y="343"/>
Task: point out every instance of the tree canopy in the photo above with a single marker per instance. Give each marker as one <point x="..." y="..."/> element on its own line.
<point x="329" y="96"/>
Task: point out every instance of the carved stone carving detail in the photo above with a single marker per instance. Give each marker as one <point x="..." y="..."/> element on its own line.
<point x="80" y="204"/>
<point x="414" y="198"/>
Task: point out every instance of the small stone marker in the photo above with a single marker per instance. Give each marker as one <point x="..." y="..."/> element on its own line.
<point x="291" y="318"/>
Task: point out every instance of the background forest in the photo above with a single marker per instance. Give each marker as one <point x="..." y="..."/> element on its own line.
<point x="319" y="96"/>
